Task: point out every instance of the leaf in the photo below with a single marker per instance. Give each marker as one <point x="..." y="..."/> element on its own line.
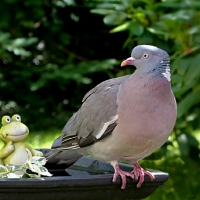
<point x="190" y="100"/>
<point x="21" y="42"/>
<point x="26" y="175"/>
<point x="122" y="27"/>
<point x="3" y="169"/>
<point x="156" y="31"/>
<point x="27" y="165"/>
<point x="183" y="144"/>
<point x="185" y="141"/>
<point x="194" y="30"/>
<point x="34" y="163"/>
<point x="44" y="171"/>
<point x="29" y="154"/>
<point x="18" y="51"/>
<point x="192" y="140"/>
<point x="178" y="15"/>
<point x="31" y="176"/>
<point x="13" y="175"/>
<point x="179" y="89"/>
<point x="193" y="69"/>
<point x="13" y="168"/>
<point x="136" y="28"/>
<point x="177" y="78"/>
<point x="36" y="169"/>
<point x="183" y="65"/>
<point x="101" y="11"/>
<point x="17" y="46"/>
<point x="4" y="36"/>
<point x="110" y="5"/>
<point x="115" y="18"/>
<point x="38" y="160"/>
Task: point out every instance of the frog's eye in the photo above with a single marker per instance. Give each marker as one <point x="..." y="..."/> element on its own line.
<point x="6" y="120"/>
<point x="145" y="55"/>
<point x="16" y="118"/>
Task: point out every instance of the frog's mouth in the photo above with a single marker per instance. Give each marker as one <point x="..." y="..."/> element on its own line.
<point x="5" y="135"/>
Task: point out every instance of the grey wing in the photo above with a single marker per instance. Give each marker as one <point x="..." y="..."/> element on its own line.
<point x="96" y="118"/>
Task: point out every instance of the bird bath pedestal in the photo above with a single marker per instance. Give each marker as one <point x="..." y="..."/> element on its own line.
<point x="87" y="179"/>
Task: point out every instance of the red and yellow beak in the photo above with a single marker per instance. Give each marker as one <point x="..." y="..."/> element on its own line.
<point x="128" y="61"/>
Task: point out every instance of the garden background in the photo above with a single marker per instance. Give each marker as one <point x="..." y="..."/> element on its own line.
<point x="53" y="51"/>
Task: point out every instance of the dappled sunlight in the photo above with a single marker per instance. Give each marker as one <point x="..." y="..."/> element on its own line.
<point x="43" y="139"/>
<point x="197" y="135"/>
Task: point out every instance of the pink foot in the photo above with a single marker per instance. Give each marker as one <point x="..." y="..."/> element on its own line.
<point x="137" y="173"/>
<point x="140" y="172"/>
<point x="123" y="174"/>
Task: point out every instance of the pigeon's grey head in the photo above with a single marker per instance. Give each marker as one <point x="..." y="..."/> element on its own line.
<point x="146" y="57"/>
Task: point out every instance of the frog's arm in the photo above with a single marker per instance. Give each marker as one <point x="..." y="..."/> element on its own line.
<point x="33" y="151"/>
<point x="6" y="150"/>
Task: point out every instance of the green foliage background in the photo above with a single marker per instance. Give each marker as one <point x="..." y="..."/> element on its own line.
<point x="53" y="51"/>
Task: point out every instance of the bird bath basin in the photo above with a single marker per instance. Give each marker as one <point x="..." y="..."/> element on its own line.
<point x="87" y="179"/>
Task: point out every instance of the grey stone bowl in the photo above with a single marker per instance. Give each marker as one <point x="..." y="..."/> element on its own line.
<point x="87" y="179"/>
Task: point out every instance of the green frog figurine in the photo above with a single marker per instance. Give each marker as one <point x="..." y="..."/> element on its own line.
<point x="14" y="133"/>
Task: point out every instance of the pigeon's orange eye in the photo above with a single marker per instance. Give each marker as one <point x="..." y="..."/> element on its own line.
<point x="145" y="55"/>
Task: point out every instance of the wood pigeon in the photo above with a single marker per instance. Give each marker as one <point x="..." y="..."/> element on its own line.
<point x="125" y="118"/>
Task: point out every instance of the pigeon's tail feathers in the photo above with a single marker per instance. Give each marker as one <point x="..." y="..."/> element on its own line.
<point x="62" y="157"/>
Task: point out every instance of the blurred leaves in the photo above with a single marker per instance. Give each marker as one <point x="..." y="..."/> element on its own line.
<point x="70" y="73"/>
<point x="190" y="100"/>
<point x="115" y="18"/>
<point x="185" y="141"/>
<point x="52" y="57"/>
<point x="15" y="46"/>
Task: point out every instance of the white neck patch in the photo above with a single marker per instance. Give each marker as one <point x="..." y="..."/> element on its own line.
<point x="164" y="69"/>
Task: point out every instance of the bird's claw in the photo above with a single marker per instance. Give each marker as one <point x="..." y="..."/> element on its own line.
<point x="122" y="174"/>
<point x="139" y="173"/>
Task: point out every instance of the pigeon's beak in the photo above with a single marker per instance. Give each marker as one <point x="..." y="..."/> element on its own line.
<point x="128" y="61"/>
